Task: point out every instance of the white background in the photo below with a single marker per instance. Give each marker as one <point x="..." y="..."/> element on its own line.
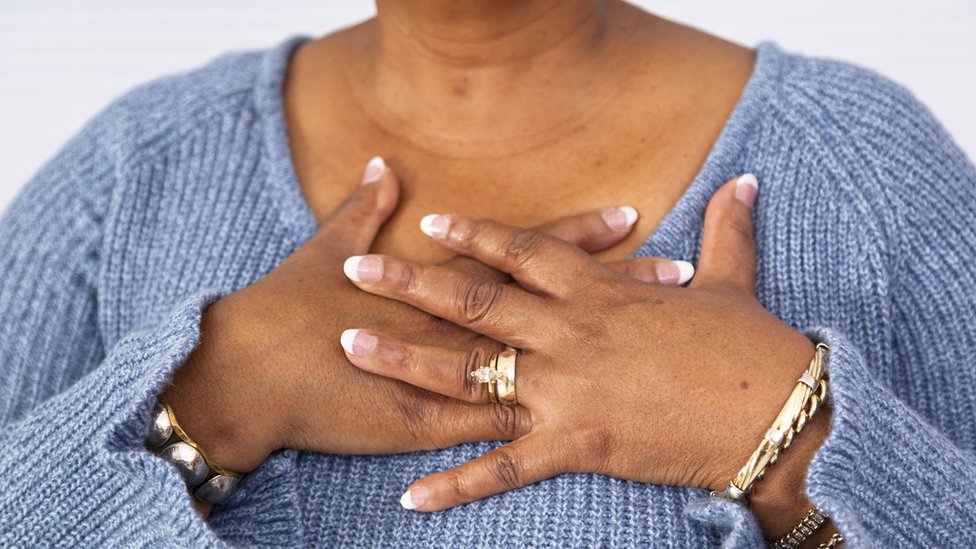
<point x="62" y="61"/>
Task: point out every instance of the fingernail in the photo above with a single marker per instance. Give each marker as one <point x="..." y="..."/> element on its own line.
<point x="374" y="170"/>
<point x="620" y="218"/>
<point x="668" y="273"/>
<point x="358" y="342"/>
<point x="435" y="225"/>
<point x="363" y="268"/>
<point x="674" y="273"/>
<point x="414" y="498"/>
<point x="746" y="189"/>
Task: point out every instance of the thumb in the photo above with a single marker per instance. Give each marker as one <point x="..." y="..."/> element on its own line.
<point x="352" y="227"/>
<point x="728" y="254"/>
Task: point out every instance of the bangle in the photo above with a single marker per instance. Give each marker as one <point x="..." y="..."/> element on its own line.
<point x="808" y="393"/>
<point x="206" y="480"/>
<point x="810" y="523"/>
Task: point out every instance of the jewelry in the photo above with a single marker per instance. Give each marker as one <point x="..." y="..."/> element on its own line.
<point x="499" y="374"/>
<point x="808" y="393"/>
<point x="814" y="519"/>
<point x="206" y="480"/>
<point x="505" y="387"/>
<point x="834" y="541"/>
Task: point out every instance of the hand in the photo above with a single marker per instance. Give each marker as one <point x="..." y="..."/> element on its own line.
<point x="642" y="382"/>
<point x="269" y="372"/>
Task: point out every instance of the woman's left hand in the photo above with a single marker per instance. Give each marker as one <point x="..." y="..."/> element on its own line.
<point x="645" y="382"/>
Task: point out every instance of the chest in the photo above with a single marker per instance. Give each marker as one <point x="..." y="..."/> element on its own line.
<point x="524" y="188"/>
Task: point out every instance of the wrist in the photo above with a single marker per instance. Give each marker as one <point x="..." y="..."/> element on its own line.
<point x="778" y="496"/>
<point x="780" y="499"/>
<point x="208" y="396"/>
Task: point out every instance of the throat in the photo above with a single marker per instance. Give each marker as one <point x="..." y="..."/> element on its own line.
<point x="429" y="75"/>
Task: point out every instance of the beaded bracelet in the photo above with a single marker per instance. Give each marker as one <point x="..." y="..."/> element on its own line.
<point x="206" y="480"/>
<point x="808" y="394"/>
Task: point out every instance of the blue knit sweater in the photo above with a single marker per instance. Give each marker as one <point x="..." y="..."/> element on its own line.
<point x="183" y="191"/>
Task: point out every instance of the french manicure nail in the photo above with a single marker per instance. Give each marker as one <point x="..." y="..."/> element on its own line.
<point x="435" y="225"/>
<point x="363" y="268"/>
<point x="746" y="189"/>
<point x="668" y="273"/>
<point x="374" y="170"/>
<point x="686" y="270"/>
<point x="358" y="342"/>
<point x="414" y="498"/>
<point x="674" y="273"/>
<point x="620" y="218"/>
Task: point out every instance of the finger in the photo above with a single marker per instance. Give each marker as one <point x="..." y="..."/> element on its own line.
<point x="728" y="253"/>
<point x="502" y="312"/>
<point x="437" y="369"/>
<point x="515" y="465"/>
<point x="593" y="231"/>
<point x="448" y="423"/>
<point x="655" y="270"/>
<point x="353" y="226"/>
<point x="539" y="262"/>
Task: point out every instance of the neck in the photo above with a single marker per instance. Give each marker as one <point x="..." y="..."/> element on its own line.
<point x="515" y="69"/>
<point x="479" y="33"/>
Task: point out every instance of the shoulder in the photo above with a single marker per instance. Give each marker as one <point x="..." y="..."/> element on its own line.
<point x="160" y="111"/>
<point x="832" y="97"/>
<point x="880" y="148"/>
<point x="856" y="111"/>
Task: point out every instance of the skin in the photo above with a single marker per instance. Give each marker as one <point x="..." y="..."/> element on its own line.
<point x="269" y="373"/>
<point x="647" y="383"/>
<point x="520" y="111"/>
<point x="493" y="123"/>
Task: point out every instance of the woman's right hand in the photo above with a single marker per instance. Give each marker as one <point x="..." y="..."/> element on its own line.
<point x="268" y="372"/>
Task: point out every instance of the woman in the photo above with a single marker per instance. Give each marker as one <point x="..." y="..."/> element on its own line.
<point x="195" y="242"/>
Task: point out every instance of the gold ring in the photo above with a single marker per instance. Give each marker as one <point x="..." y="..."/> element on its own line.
<point x="499" y="374"/>
<point x="505" y="386"/>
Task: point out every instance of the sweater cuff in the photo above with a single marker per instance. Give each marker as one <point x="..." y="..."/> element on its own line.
<point x="886" y="476"/>
<point x="75" y="467"/>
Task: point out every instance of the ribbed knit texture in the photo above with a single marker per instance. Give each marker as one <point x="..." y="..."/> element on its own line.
<point x="183" y="191"/>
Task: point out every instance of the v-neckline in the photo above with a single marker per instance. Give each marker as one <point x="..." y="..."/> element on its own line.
<point x="675" y="235"/>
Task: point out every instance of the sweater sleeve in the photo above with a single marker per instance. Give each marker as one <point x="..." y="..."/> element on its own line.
<point x="73" y="471"/>
<point x="898" y="468"/>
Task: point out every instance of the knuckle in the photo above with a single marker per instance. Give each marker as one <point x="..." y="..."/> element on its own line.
<point x="469" y="387"/>
<point x="459" y="486"/>
<point x="506" y="469"/>
<point x="523" y="246"/>
<point x="478" y="298"/>
<point x="506" y="420"/>
<point x="406" y="359"/>
<point x="741" y="226"/>
<point x="408" y="278"/>
<point x="359" y="202"/>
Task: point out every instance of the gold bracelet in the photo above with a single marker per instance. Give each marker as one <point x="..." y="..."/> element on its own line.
<point x="807" y="396"/>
